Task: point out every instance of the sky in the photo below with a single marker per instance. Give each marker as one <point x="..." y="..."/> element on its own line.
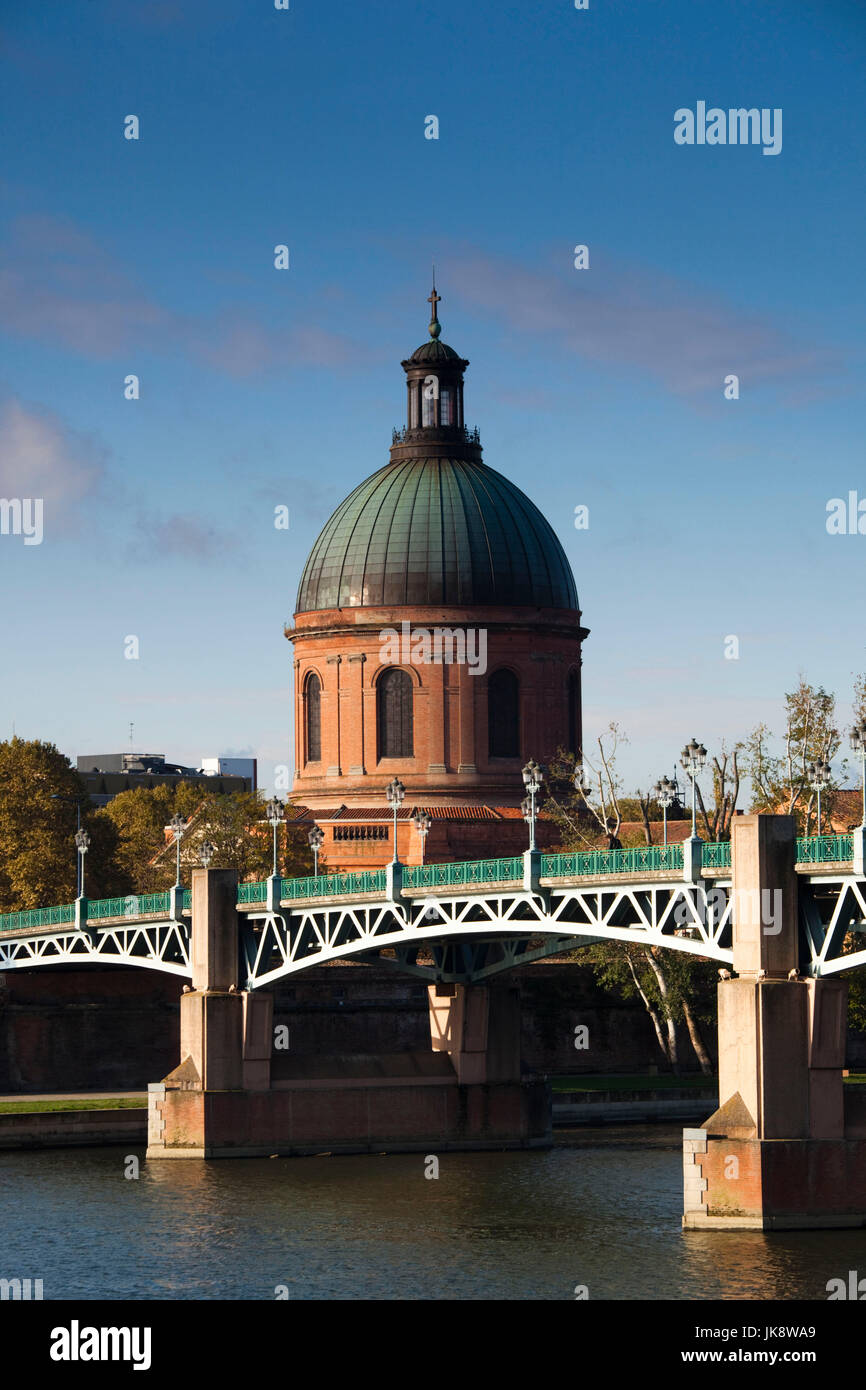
<point x="261" y="388"/>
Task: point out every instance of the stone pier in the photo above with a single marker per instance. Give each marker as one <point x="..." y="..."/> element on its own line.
<point x="783" y="1151"/>
<point x="233" y="1095"/>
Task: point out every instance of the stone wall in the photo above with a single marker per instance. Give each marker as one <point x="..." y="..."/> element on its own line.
<point x="87" y="1030"/>
<point x="116" y="1028"/>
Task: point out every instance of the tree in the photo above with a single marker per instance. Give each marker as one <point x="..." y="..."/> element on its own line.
<point x="139" y="818"/>
<point x="38" y="858"/>
<point x="584" y="811"/>
<point x="234" y="824"/>
<point x="668" y="983"/>
<point x="780" y="784"/>
<point x="672" y="987"/>
<point x="726" y="791"/>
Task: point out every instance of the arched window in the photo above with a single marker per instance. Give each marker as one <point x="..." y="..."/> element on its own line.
<point x="503" y="715"/>
<point x="574" y="713"/>
<point x="394" y="697"/>
<point x="313" y="712"/>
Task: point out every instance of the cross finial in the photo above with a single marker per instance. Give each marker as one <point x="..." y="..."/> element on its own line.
<point x="433" y="299"/>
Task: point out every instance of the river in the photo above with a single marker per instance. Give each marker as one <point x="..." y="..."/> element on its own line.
<point x="601" y="1210"/>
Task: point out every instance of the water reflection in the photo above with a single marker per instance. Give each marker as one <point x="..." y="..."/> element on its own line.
<point x="602" y="1209"/>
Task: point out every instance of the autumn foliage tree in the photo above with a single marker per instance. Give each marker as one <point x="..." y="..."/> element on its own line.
<point x="39" y="793"/>
<point x="130" y="852"/>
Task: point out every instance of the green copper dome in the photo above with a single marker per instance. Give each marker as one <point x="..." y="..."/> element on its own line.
<point x="434" y="351"/>
<point x="436" y="531"/>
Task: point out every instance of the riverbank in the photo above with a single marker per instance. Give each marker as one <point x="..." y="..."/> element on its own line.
<point x="70" y="1120"/>
<point x="60" y="1121"/>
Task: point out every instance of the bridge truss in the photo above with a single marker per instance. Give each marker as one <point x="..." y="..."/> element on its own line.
<point x="461" y="935"/>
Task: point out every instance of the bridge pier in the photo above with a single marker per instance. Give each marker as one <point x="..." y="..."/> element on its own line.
<point x="233" y="1096"/>
<point x="225" y="1034"/>
<point x="780" y="1152"/>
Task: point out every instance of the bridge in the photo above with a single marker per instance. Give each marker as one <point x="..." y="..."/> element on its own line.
<point x="463" y="922"/>
<point x="781" y="916"/>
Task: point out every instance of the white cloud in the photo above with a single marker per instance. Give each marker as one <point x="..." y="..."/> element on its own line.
<point x="40" y="456"/>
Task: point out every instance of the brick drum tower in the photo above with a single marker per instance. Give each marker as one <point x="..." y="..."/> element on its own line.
<point x="437" y="638"/>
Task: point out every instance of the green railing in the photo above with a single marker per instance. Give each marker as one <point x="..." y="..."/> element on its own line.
<point x="253" y="892"/>
<point x="153" y="902"/>
<point x="38" y="917"/>
<point x="335" y="885"/>
<point x="97" y="908"/>
<point x="460" y="875"/>
<point x="812" y="849"/>
<point x="131" y="905"/>
<point x="716" y="854"/>
<point x="580" y="863"/>
<point x="824" y="849"/>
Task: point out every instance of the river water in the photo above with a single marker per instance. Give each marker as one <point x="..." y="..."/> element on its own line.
<point x="602" y="1210"/>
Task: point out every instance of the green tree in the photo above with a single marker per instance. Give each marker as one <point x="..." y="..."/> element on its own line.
<point x="234" y="824"/>
<point x="39" y="789"/>
<point x="672" y="986"/>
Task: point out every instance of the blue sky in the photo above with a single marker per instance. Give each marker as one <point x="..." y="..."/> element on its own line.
<point x="259" y="387"/>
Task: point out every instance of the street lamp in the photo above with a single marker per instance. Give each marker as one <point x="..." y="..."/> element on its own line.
<point x="858" y="745"/>
<point x="693" y="760"/>
<point x="316" y="838"/>
<point x="275" y="809"/>
<point x="82" y="841"/>
<point x="665" y="792"/>
<point x="81" y="797"/>
<point x="178" y="825"/>
<point x="207" y="852"/>
<point x="533" y="775"/>
<point x="818" y="774"/>
<point x="422" y="820"/>
<point x="395" y="791"/>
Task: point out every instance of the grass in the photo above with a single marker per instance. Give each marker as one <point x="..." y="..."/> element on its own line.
<point x="42" y="1107"/>
<point x="642" y="1082"/>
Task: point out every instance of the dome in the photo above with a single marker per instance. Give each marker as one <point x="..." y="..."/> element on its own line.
<point x="436" y="531"/>
<point x="434" y="351"/>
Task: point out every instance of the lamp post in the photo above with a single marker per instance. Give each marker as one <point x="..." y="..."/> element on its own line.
<point x="664" y="792"/>
<point x="533" y="775"/>
<point x="818" y="775"/>
<point x="693" y="759"/>
<point x="422" y="820"/>
<point x="82" y="842"/>
<point x="276" y="810"/>
<point x="395" y="791"/>
<point x="178" y="825"/>
<point x="77" y="800"/>
<point x="858" y="746"/>
<point x="207" y="852"/>
<point x="316" y="839"/>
